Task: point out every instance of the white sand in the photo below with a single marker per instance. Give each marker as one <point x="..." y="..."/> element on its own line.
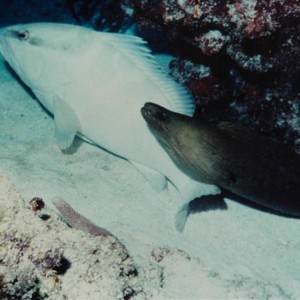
<point x="236" y="253"/>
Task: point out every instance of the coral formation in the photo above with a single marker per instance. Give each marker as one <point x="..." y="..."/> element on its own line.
<point x="36" y="204"/>
<point x="42" y="259"/>
<point x="105" y="15"/>
<point x="249" y="49"/>
<point x="194" y="273"/>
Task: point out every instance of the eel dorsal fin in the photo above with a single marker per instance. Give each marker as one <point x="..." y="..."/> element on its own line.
<point x="236" y="129"/>
<point x="246" y="135"/>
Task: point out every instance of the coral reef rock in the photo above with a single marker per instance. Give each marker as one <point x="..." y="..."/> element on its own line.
<point x="41" y="257"/>
<point x="249" y="49"/>
<point x="252" y="51"/>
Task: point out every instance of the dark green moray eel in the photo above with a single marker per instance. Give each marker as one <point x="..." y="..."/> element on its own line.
<point x="231" y="156"/>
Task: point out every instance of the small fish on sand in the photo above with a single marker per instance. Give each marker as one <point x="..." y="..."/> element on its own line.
<point x="77" y="221"/>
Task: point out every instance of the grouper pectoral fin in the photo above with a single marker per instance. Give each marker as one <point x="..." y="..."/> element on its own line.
<point x="157" y="180"/>
<point x="66" y="123"/>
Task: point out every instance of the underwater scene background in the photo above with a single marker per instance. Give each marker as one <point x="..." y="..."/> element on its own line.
<point x="240" y="60"/>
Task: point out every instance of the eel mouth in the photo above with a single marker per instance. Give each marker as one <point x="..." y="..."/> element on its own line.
<point x="159" y="120"/>
<point x="155" y="115"/>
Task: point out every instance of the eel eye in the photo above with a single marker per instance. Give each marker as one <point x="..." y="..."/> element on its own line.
<point x="161" y="116"/>
<point x="23" y="35"/>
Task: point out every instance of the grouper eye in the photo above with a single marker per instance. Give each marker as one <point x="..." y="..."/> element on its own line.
<point x="23" y="35"/>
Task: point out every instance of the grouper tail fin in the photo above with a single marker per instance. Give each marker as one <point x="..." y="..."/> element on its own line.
<point x="190" y="191"/>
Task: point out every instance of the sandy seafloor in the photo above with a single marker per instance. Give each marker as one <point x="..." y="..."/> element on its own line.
<point x="253" y="254"/>
<point x="243" y="253"/>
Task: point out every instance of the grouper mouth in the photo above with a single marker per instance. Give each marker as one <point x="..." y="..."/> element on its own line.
<point x="6" y="50"/>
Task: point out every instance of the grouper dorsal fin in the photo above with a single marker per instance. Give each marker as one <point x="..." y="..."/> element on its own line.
<point x="135" y="48"/>
<point x="66" y="123"/>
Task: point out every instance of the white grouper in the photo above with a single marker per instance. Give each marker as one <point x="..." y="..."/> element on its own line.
<point x="94" y="84"/>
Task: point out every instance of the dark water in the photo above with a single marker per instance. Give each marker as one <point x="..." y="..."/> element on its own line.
<point x="23" y="11"/>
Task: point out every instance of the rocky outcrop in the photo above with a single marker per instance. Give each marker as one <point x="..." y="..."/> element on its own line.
<point x="41" y="257"/>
